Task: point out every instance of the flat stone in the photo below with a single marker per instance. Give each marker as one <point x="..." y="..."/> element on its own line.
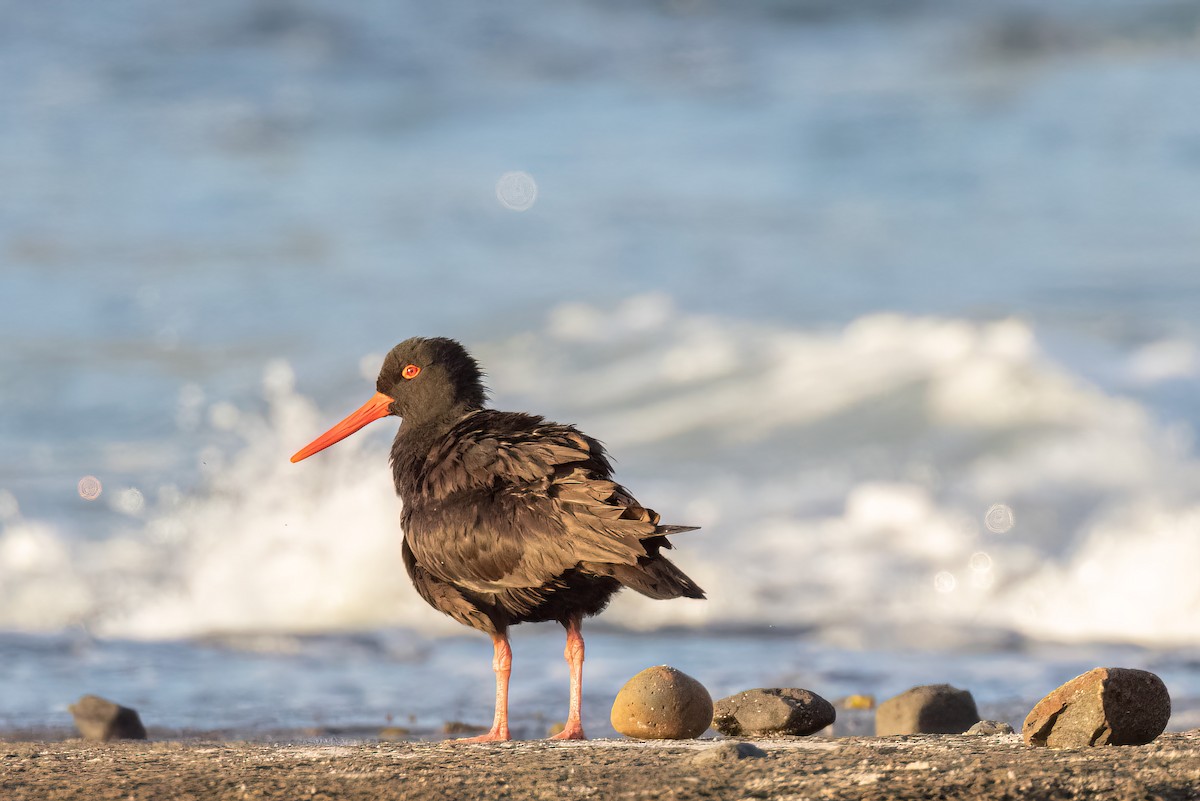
<point x="99" y="719"/>
<point x="662" y="703"/>
<point x="1105" y="706"/>
<point x="772" y="711"/>
<point x="928" y="709"/>
<point x="989" y="727"/>
<point x="728" y="752"/>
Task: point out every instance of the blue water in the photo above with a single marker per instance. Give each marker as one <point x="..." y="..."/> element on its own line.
<point x="354" y="685"/>
<point x="832" y="283"/>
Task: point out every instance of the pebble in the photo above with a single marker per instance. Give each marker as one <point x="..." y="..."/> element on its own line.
<point x="928" y="709"/>
<point x="989" y="727"/>
<point x="99" y="719"/>
<point x="772" y="711"/>
<point x="856" y="701"/>
<point x="1105" y="706"/>
<point x="728" y="752"/>
<point x="662" y="703"/>
<point x="393" y="734"/>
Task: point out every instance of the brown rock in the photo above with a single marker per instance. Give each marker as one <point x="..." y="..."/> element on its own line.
<point x="1105" y="706"/>
<point x="762" y="712"/>
<point x="393" y="734"/>
<point x="929" y="709"/>
<point x="662" y="703"/>
<point x="987" y="728"/>
<point x="102" y="720"/>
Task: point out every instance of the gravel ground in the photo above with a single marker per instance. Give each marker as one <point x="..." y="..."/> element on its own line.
<point x="920" y="767"/>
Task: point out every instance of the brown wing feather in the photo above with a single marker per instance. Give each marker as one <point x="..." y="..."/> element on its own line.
<point x="511" y="501"/>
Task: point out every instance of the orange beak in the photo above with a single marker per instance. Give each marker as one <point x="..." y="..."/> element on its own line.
<point x="369" y="412"/>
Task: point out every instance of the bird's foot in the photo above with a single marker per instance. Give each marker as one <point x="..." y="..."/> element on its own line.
<point x="572" y="731"/>
<point x="496" y="735"/>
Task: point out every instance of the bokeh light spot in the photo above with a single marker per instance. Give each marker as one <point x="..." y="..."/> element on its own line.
<point x="90" y="488"/>
<point x="980" y="562"/>
<point x="130" y="501"/>
<point x="999" y="518"/>
<point x="945" y="582"/>
<point x="516" y="190"/>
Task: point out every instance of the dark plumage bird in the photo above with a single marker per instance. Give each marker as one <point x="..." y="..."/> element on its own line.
<point x="508" y="518"/>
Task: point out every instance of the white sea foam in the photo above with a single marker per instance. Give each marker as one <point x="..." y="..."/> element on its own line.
<point x="845" y="479"/>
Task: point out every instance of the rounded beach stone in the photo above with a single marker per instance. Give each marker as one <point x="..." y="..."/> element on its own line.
<point x="989" y="727"/>
<point x="1105" y="706"/>
<point x="662" y="703"/>
<point x="728" y="753"/>
<point x="100" y="719"/>
<point x="929" y="709"/>
<point x="770" y="711"/>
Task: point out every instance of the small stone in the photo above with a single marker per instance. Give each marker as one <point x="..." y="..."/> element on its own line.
<point x="102" y="720"/>
<point x="856" y="701"/>
<point x="391" y="734"/>
<point x="662" y="703"/>
<point x="929" y="709"/>
<point x="1105" y="706"/>
<point x="764" y="712"/>
<point x="989" y="727"/>
<point x="728" y="752"/>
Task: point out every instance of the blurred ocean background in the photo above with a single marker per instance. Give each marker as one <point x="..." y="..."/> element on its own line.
<point x="898" y="300"/>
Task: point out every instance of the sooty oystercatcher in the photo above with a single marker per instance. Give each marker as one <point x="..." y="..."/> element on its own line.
<point x="508" y="518"/>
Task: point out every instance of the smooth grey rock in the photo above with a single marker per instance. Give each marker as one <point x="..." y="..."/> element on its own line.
<point x="728" y="752"/>
<point x="929" y="709"/>
<point x="988" y="727"/>
<point x="772" y="711"/>
<point x="662" y="703"/>
<point x="101" y="720"/>
<point x="1105" y="706"/>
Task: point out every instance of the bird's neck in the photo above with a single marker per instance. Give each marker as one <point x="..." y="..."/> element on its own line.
<point x="415" y="440"/>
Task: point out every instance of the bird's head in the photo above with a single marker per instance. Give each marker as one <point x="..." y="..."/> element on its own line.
<point x="421" y="379"/>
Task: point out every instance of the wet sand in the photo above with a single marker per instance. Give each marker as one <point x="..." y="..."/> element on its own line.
<point x="921" y="767"/>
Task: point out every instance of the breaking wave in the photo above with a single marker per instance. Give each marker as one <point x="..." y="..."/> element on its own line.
<point x="898" y="472"/>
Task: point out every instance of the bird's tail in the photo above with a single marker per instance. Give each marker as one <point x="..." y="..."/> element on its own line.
<point x="656" y="577"/>
<point x="664" y="530"/>
<point x="653" y="575"/>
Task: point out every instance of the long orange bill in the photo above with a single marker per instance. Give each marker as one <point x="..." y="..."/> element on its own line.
<point x="369" y="412"/>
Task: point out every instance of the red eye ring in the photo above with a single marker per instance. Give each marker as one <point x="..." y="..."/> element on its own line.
<point x="410" y="372"/>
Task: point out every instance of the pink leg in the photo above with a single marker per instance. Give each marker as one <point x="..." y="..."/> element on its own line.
<point x="574" y="654"/>
<point x="502" y="664"/>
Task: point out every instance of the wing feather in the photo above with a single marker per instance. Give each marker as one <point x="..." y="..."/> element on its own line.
<point x="509" y="501"/>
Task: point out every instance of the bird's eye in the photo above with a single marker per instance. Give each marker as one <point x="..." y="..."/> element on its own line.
<point x="410" y="372"/>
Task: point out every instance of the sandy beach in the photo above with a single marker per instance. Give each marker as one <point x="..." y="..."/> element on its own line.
<point x="919" y="767"/>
